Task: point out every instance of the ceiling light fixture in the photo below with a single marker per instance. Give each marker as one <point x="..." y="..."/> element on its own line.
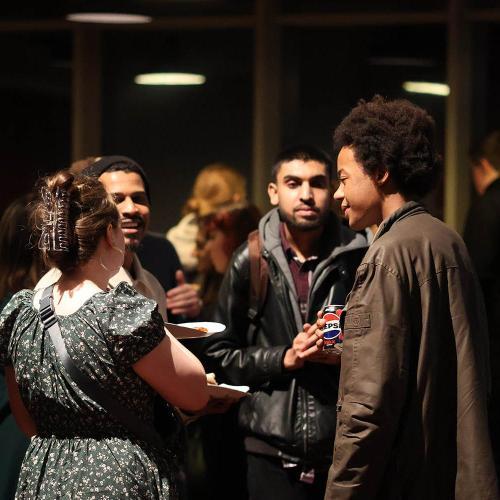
<point x="170" y="79"/>
<point x="441" y="89"/>
<point x="108" y="18"/>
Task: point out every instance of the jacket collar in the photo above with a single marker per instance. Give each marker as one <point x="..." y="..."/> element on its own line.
<point x="407" y="210"/>
<point x="337" y="238"/>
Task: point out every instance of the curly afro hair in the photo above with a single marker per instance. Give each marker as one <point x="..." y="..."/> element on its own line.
<point x="394" y="135"/>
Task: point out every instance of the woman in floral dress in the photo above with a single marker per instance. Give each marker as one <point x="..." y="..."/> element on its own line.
<point x="78" y="450"/>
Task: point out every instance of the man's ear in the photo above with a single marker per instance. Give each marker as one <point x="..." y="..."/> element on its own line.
<point x="272" y="191"/>
<point x="382" y="176"/>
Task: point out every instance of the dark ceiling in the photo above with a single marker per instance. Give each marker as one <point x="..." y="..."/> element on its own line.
<point x="176" y="131"/>
<point x="33" y="9"/>
<point x="57" y="9"/>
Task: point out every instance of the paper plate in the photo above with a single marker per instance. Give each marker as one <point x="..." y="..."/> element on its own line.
<point x="228" y="391"/>
<point x="194" y="330"/>
<point x="210" y="326"/>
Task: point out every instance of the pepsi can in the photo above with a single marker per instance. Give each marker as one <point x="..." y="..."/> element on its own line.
<point x="332" y="332"/>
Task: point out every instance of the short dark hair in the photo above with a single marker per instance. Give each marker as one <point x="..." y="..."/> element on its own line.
<point x="304" y="152"/>
<point x="395" y="135"/>
<point x="488" y="148"/>
<point x="117" y="163"/>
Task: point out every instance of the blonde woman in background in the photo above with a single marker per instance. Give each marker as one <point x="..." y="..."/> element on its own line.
<point x="216" y="185"/>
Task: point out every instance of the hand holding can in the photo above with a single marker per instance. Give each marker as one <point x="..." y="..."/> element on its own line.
<point x="333" y="336"/>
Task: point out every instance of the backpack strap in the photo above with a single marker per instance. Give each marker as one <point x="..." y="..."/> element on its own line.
<point x="120" y="413"/>
<point x="259" y="277"/>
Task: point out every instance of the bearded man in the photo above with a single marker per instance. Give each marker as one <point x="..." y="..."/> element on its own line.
<point x="125" y="180"/>
<point x="309" y="259"/>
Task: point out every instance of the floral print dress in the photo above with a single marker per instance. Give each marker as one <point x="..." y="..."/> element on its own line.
<point x="80" y="451"/>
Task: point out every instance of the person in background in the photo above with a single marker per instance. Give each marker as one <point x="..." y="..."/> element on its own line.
<point x="126" y="181"/>
<point x="412" y="420"/>
<point x="224" y="231"/>
<point x="207" y="278"/>
<point x="114" y="336"/>
<point x="289" y="418"/>
<point x="227" y="230"/>
<point x="215" y="185"/>
<point x="482" y="237"/>
<point x="20" y="267"/>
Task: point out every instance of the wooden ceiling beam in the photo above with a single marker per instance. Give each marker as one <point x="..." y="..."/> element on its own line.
<point x="305" y="20"/>
<point x="362" y="19"/>
<point x="160" y="23"/>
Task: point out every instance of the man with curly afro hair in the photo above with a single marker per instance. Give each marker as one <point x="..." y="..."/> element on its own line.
<point x="412" y="421"/>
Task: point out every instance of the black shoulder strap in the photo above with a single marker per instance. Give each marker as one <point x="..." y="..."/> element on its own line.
<point x="259" y="277"/>
<point x="119" y="412"/>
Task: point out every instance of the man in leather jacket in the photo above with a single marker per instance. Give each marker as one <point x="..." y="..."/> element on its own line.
<point x="311" y="258"/>
<point x="412" y="421"/>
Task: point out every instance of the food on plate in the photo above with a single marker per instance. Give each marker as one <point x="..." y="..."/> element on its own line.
<point x="211" y="379"/>
<point x="201" y="329"/>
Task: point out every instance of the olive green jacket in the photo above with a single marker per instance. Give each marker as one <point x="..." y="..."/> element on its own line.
<point x="412" y="421"/>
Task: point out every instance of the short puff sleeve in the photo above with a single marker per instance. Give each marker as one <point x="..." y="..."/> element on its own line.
<point x="135" y="326"/>
<point x="8" y="317"/>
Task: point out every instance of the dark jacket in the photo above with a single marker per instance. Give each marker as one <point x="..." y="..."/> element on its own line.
<point x="412" y="401"/>
<point x="292" y="411"/>
<point x="159" y="257"/>
<point x="482" y="237"/>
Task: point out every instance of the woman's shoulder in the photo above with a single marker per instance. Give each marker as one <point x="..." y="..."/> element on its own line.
<point x="124" y="291"/>
<point x="22" y="298"/>
<point x="132" y="323"/>
<point x="126" y="297"/>
<point x="14" y="309"/>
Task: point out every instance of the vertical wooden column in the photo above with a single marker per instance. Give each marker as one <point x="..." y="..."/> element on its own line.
<point x="86" y="91"/>
<point x="458" y="117"/>
<point x="267" y="88"/>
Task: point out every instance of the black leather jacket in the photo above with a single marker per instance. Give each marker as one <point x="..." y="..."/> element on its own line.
<point x="294" y="411"/>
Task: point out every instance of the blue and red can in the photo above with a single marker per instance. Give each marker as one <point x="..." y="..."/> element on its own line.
<point x="332" y="331"/>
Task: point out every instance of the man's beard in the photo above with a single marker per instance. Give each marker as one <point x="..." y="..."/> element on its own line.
<point x="304" y="225"/>
<point x="133" y="244"/>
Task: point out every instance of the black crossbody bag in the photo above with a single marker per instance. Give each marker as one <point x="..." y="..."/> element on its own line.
<point x="169" y="426"/>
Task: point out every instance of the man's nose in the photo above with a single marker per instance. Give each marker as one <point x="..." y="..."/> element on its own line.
<point x="128" y="206"/>
<point x="339" y="193"/>
<point x="305" y="191"/>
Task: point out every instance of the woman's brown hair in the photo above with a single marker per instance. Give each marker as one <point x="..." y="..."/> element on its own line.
<point x="70" y="218"/>
<point x="236" y="221"/>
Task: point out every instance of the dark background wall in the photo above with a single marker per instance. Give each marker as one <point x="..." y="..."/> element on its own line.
<point x="174" y="131"/>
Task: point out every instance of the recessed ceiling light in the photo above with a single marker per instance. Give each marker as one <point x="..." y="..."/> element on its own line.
<point x="108" y="18"/>
<point x="427" y="88"/>
<point x="170" y="79"/>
